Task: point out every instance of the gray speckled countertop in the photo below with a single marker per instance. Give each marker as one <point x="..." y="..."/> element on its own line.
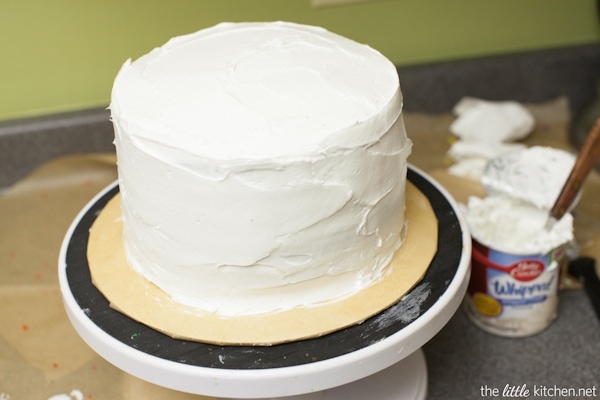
<point x="463" y="361"/>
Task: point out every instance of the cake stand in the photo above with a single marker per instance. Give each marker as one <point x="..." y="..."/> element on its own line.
<point x="380" y="358"/>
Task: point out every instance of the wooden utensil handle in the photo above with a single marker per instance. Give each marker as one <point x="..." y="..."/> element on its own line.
<point x="588" y="155"/>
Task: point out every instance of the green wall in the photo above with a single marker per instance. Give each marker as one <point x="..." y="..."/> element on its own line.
<point x="62" y="55"/>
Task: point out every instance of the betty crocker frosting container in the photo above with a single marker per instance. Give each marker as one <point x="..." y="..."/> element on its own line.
<point x="513" y="294"/>
<point x="517" y="255"/>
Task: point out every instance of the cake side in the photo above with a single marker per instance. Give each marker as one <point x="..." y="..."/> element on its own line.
<point x="293" y="200"/>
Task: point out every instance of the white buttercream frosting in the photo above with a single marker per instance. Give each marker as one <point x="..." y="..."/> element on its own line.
<point x="262" y="166"/>
<point x="535" y="175"/>
<point x="516" y="227"/>
<point x="522" y="185"/>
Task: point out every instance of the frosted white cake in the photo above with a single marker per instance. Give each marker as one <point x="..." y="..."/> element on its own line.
<point x="262" y="166"/>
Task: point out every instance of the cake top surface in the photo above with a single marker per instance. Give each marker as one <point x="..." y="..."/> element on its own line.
<point x="256" y="90"/>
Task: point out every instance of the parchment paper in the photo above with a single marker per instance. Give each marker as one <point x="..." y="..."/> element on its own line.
<point x="41" y="355"/>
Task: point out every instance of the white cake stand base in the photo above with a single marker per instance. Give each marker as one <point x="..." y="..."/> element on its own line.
<point x="378" y="359"/>
<point x="405" y="380"/>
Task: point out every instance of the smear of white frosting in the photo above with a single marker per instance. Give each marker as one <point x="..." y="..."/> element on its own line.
<point x="73" y="395"/>
<point x="262" y="166"/>
<point x="491" y="121"/>
<point x="462" y="149"/>
<point x="535" y="175"/>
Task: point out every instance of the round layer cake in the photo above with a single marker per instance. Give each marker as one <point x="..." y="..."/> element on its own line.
<point x="262" y="166"/>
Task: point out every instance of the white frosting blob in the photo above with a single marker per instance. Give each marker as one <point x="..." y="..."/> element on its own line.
<point x="262" y="166"/>
<point x="491" y="121"/>
<point x="535" y="175"/>
<point x="515" y="227"/>
<point x="462" y="149"/>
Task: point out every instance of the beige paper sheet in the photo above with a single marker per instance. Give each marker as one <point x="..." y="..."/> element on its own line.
<point x="41" y="354"/>
<point x="137" y="298"/>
